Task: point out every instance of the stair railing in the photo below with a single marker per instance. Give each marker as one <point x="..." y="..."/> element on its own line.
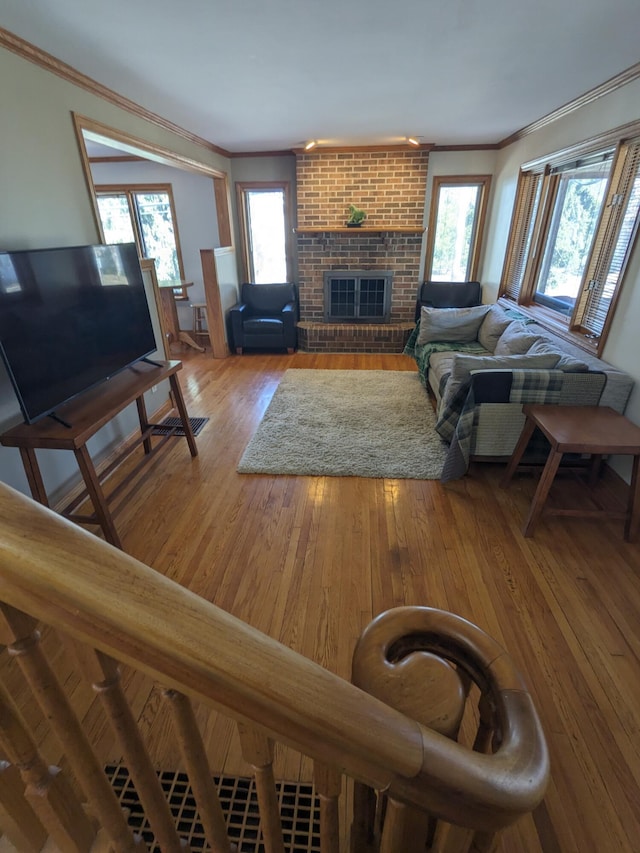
<point x="394" y="733"/>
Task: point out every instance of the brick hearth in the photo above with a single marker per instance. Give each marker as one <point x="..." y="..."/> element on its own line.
<point x="353" y="337"/>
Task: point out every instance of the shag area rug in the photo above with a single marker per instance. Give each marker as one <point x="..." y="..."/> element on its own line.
<point x="337" y="423"/>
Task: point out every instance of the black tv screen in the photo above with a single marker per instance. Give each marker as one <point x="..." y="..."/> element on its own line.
<point x="69" y="319"/>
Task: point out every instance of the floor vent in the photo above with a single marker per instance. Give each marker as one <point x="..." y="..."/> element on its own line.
<point x="299" y="810"/>
<point x="169" y="424"/>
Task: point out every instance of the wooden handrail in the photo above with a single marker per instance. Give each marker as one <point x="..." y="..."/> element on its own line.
<point x="74" y="581"/>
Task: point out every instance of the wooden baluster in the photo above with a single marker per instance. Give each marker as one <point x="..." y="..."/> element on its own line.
<point x="328" y="785"/>
<point x="46" y="789"/>
<point x="405" y="829"/>
<point x="257" y="750"/>
<point x="364" y="837"/>
<point x="18" y="632"/>
<point x="458" y="839"/>
<point x="104" y="674"/>
<point x="194" y="756"/>
<point x="18" y="821"/>
<point x="484" y="842"/>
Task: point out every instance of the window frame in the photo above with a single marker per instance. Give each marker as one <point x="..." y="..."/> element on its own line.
<point x="130" y="191"/>
<point x="483" y="182"/>
<point x="242" y="190"/>
<point x="521" y="266"/>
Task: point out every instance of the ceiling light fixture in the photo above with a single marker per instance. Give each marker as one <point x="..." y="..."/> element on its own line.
<point x="311" y="144"/>
<point x="413" y="140"/>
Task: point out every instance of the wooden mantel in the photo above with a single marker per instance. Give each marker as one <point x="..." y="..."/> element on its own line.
<point x="381" y="229"/>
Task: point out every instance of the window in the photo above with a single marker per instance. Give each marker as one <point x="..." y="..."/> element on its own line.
<point x="144" y="215"/>
<point x="573" y="227"/>
<point x="264" y="213"/>
<point x="456" y="222"/>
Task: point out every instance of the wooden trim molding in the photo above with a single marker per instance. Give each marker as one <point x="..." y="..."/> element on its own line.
<point x="45" y="60"/>
<point x="288" y="152"/>
<point x="159" y="153"/>
<point x="485" y="146"/>
<point x="606" y="88"/>
<point x="126" y="158"/>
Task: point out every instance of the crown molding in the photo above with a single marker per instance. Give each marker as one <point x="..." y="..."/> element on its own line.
<point x="45" y="60"/>
<point x="349" y="149"/>
<point x="483" y="146"/>
<point x="50" y="63"/>
<point x="287" y="152"/>
<point x="606" y="88"/>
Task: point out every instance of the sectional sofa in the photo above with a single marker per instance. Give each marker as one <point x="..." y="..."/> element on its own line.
<point x="482" y="363"/>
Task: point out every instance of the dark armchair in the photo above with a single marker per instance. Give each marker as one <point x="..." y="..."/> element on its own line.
<point x="265" y="317"/>
<point x="448" y="294"/>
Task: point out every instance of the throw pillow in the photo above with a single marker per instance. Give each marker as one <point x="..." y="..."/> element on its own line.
<point x="464" y="364"/>
<point x="450" y="324"/>
<point x="492" y="327"/>
<point x="566" y="362"/>
<point x="515" y="340"/>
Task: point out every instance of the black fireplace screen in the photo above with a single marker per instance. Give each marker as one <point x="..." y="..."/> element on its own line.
<point x="359" y="296"/>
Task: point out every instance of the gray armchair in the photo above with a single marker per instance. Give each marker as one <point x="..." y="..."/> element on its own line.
<point x="265" y="317"/>
<point x="448" y="294"/>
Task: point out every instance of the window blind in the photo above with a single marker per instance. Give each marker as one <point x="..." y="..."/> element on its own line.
<point x="523" y="221"/>
<point x="612" y="242"/>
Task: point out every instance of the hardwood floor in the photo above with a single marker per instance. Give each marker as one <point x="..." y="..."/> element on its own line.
<point x="311" y="560"/>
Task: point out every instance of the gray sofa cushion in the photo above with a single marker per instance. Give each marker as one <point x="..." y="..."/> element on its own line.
<point x="566" y="361"/>
<point x="515" y="340"/>
<point x="450" y="324"/>
<point x="492" y="327"/>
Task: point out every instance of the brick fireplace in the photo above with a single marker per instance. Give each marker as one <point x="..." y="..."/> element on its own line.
<point x="390" y="185"/>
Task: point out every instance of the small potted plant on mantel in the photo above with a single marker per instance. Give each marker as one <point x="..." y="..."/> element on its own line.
<point x="356" y="217"/>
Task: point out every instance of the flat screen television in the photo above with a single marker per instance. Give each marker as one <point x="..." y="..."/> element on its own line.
<point x="69" y="319"/>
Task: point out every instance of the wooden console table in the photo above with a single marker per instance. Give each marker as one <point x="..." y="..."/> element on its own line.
<point x="594" y="430"/>
<point x="85" y="415"/>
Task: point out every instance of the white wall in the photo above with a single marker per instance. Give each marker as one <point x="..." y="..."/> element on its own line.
<point x="46" y="202"/>
<point x="622" y="106"/>
<point x="197" y="220"/>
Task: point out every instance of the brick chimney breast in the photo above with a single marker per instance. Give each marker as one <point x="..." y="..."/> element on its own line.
<point x="390" y="186"/>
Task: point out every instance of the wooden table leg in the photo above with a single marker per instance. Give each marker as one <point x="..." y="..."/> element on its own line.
<point x="144" y="422"/>
<point x="34" y="477"/>
<point x="97" y="496"/>
<point x="594" y="469"/>
<point x="547" y="478"/>
<point x="182" y="411"/>
<point x="633" y="501"/>
<point x="525" y="436"/>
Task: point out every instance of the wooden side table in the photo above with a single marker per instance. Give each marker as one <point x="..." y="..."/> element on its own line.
<point x="596" y="430"/>
<point x="80" y="419"/>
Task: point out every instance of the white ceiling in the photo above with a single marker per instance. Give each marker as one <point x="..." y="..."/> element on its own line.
<point x="255" y="75"/>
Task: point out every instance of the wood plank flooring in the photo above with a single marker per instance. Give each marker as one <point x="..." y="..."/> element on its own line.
<point x="311" y="560"/>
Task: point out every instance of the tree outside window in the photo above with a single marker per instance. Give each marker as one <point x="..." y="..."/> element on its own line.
<point x="264" y="210"/>
<point x="574" y="225"/>
<point x="144" y="215"/>
<point x="458" y="207"/>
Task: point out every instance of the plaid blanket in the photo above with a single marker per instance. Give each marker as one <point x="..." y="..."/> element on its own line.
<point x="456" y="421"/>
<point x="422" y="352"/>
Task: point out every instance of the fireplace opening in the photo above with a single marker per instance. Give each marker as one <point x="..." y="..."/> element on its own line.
<point x="352" y="296"/>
